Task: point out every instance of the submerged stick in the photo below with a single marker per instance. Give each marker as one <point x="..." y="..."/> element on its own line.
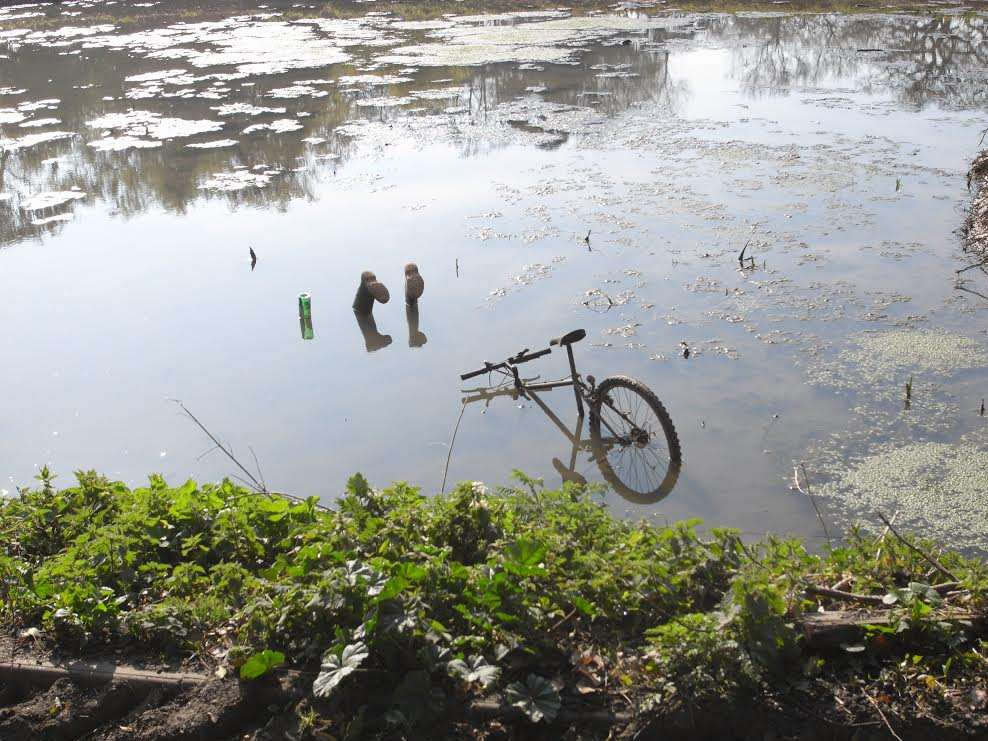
<point x="930" y="559"/>
<point x="809" y="493"/>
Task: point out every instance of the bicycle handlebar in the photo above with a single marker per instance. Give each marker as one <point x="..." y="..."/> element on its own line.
<point x="488" y="367"/>
<point x="523" y="357"/>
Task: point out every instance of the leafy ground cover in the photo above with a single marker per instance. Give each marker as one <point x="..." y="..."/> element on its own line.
<point x="494" y="614"/>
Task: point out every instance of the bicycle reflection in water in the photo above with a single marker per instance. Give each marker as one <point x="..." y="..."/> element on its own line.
<point x="632" y="438"/>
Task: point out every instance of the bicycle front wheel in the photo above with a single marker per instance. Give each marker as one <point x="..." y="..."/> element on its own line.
<point x="634" y="440"/>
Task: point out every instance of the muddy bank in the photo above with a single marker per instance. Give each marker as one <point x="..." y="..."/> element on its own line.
<point x="976" y="227"/>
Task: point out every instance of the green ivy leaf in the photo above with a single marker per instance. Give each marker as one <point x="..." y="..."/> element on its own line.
<point x="260" y="664"/>
<point x="537" y="698"/>
<point x="335" y="668"/>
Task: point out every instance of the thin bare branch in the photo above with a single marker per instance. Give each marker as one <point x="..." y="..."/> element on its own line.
<point x="253" y="482"/>
<point x="929" y="559"/>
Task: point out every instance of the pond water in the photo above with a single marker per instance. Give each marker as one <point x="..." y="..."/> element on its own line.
<point x="142" y="157"/>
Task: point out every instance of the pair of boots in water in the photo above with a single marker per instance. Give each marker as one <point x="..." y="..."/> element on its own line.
<point x="371" y="290"/>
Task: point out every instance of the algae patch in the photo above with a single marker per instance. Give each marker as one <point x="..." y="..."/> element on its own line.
<point x="939" y="490"/>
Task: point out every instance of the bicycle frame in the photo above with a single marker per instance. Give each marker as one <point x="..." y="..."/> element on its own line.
<point x="621" y="432"/>
<point x="529" y="390"/>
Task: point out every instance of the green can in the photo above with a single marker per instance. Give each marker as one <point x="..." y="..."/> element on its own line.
<point x="305" y="305"/>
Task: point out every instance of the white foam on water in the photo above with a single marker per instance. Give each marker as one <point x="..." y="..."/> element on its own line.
<point x="41" y="122"/>
<point x="236" y="180"/>
<point x="120" y="143"/>
<point x="50" y="199"/>
<point x="32" y="140"/>
<point x="246" y="109"/>
<point x="52" y="219"/>
<point x="215" y="144"/>
<point x="11" y="116"/>
<point x="281" y="126"/>
<point x="297" y="91"/>
<point x="383" y="101"/>
<point x="154" y="76"/>
<point x="135" y="123"/>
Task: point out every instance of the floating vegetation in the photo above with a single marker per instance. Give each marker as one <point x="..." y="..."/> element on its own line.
<point x="922" y="350"/>
<point x="880" y="362"/>
<point x="940" y="490"/>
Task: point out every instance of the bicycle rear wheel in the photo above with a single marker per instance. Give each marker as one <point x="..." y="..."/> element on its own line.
<point x="634" y="440"/>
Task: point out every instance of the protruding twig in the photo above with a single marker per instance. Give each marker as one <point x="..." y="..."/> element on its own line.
<point x="975" y="265"/>
<point x="253" y="482"/>
<point x="881" y="538"/>
<point x="741" y="256"/>
<point x="885" y="720"/>
<point x="930" y="559"/>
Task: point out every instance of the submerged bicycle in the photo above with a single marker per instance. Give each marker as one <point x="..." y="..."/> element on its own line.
<point x="632" y="437"/>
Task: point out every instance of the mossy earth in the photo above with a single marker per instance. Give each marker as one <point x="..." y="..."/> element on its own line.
<point x="408" y="610"/>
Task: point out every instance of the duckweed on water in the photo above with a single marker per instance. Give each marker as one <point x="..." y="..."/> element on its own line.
<point x="938" y="489"/>
<point x="929" y="351"/>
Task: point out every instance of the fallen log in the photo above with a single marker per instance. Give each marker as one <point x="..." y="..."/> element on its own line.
<point x="89" y="674"/>
<point x="827" y="630"/>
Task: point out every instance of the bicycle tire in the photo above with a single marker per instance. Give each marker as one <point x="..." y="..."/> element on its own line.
<point x="607" y="389"/>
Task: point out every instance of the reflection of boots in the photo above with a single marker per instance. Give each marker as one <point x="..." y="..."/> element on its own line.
<point x="373" y="340"/>
<point x="369" y="290"/>
<point x="415" y="338"/>
<point x="414" y="284"/>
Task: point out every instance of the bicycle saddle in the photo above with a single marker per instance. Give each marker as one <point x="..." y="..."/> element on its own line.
<point x="569" y="338"/>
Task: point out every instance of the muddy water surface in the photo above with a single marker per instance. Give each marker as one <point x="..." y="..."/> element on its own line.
<point x="141" y="158"/>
